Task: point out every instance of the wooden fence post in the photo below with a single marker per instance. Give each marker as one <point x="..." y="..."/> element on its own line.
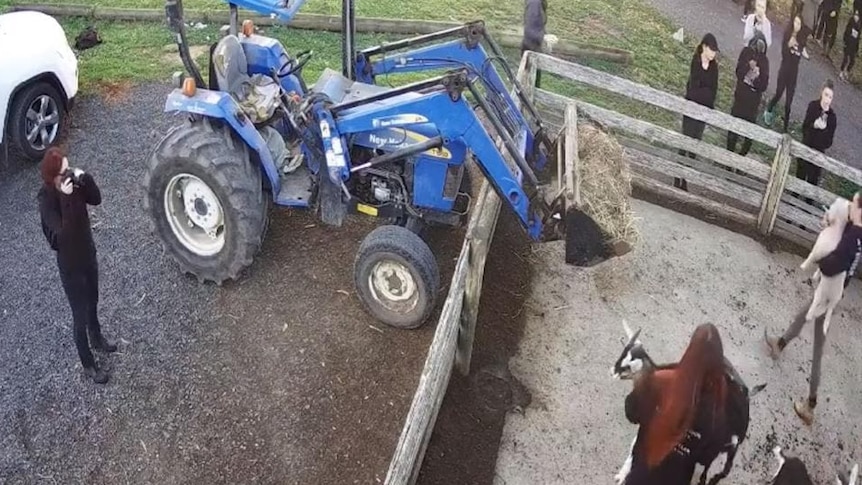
<point x="774" y="187"/>
<point x="480" y="234"/>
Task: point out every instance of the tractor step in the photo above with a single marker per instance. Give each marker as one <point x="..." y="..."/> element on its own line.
<point x="296" y="188"/>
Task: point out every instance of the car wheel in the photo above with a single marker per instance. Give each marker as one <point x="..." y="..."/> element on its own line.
<point x="36" y="119"/>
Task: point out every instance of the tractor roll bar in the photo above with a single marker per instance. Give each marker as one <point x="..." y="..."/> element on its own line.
<point x="174" y="12"/>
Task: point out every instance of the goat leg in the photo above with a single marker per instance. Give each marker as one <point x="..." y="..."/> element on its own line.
<point x="728" y="464"/>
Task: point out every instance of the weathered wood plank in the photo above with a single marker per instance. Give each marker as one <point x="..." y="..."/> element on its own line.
<point x="480" y="237"/>
<point x="830" y="164"/>
<point x="571" y="158"/>
<point x="775" y="187"/>
<point x="805" y="189"/>
<point x="694" y="177"/>
<point x="798" y="216"/>
<point x="433" y="381"/>
<point x="621" y="122"/>
<point x="704" y="166"/>
<point x="794" y="234"/>
<point x="661" y="99"/>
<point x="571" y="49"/>
<point x="673" y="194"/>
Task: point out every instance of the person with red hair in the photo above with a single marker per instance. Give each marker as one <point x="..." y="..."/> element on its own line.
<point x="63" y="200"/>
<point x="675" y="408"/>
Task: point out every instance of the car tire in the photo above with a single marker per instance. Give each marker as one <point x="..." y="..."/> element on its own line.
<point x="41" y="100"/>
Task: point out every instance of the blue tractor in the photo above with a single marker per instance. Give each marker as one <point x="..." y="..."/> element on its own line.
<point x="255" y="134"/>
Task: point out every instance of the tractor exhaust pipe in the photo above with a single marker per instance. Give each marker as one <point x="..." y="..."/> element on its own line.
<point x="174" y="13"/>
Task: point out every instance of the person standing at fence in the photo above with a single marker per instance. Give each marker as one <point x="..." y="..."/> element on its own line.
<point x="818" y="131"/>
<point x="845" y="257"/>
<point x="63" y="200"/>
<point x="702" y="87"/>
<point x="828" y="27"/>
<point x="792" y="49"/>
<point x="752" y="79"/>
<point x="851" y="44"/>
<point x="757" y="23"/>
<point x="535" y="19"/>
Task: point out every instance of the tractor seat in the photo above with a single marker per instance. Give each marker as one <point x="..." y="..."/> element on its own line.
<point x="257" y="95"/>
<point x="341" y="89"/>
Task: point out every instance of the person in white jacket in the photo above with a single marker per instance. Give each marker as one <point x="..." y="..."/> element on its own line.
<point x="757" y="22"/>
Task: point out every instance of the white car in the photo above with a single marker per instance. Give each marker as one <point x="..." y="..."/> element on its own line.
<point x="38" y="83"/>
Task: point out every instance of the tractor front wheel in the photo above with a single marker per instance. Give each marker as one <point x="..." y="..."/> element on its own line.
<point x="205" y="200"/>
<point x="396" y="277"/>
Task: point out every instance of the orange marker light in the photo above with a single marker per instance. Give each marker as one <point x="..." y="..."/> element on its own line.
<point x="247" y="28"/>
<point x="189" y="87"/>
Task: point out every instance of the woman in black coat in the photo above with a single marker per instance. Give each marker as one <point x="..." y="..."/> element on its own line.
<point x="752" y="79"/>
<point x="792" y="50"/>
<point x="851" y="44"/>
<point x="63" y="200"/>
<point x="702" y="88"/>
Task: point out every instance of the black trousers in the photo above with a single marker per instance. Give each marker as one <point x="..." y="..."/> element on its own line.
<point x="849" y="60"/>
<point x="808" y="172"/>
<point x="828" y="30"/>
<point x="82" y="290"/>
<point x="692" y="128"/>
<point x="733" y="138"/>
<point x="786" y="81"/>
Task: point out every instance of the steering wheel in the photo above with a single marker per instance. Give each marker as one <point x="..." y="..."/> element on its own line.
<point x="296" y="64"/>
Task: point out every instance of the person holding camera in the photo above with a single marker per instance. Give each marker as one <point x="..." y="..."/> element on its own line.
<point x="63" y="200"/>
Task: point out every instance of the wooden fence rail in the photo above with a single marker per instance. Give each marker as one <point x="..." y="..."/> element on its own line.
<point x="764" y="196"/>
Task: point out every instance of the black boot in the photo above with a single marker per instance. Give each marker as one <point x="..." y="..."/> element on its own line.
<point x="98" y="375"/>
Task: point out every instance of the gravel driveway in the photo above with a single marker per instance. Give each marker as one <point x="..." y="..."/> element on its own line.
<point x="279" y="378"/>
<point x="722" y="18"/>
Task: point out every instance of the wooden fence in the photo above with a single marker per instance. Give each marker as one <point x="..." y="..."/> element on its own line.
<point x="742" y="189"/>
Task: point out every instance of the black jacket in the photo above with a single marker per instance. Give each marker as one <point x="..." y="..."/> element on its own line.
<point x="746" y="97"/>
<point x="790" y="57"/>
<point x="818" y="138"/>
<point x="851" y="36"/>
<point x="702" y="85"/>
<point x="66" y="222"/>
<point x="846" y="255"/>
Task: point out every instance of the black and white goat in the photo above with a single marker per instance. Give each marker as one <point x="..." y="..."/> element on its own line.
<point x="634" y="361"/>
<point x="791" y="471"/>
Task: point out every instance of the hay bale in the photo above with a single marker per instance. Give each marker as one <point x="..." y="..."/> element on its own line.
<point x="605" y="185"/>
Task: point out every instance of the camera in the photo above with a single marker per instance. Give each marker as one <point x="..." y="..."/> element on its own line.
<point x="73" y="175"/>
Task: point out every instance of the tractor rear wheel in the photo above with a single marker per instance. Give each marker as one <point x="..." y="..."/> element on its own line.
<point x="396" y="277"/>
<point x="205" y="200"/>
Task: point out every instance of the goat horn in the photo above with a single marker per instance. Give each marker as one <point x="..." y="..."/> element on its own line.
<point x="628" y="329"/>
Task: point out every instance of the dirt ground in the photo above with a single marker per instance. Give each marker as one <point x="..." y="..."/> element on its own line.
<point x="685" y="272"/>
<point x="280" y="377"/>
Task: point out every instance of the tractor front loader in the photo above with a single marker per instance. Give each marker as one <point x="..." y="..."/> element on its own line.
<point x="255" y="134"/>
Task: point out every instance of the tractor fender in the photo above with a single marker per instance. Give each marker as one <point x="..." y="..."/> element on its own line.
<point x="220" y="105"/>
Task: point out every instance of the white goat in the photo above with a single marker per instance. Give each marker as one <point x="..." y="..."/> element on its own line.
<point x="830" y="289"/>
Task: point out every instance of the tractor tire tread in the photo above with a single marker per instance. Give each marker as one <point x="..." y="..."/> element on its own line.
<point x="214" y="152"/>
<point x="408" y="245"/>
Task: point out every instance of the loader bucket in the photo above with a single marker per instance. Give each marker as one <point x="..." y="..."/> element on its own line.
<point x="586" y="244"/>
